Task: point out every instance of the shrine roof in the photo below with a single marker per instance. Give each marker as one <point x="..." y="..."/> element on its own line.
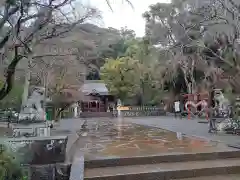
<point x="89" y="88"/>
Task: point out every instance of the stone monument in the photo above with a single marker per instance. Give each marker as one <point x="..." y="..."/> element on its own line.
<point x="31" y="120"/>
<point x="236" y="114"/>
<point x="32" y="110"/>
<point x="224" y="104"/>
<point x="44" y="155"/>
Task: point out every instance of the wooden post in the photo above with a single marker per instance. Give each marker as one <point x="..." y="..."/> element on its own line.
<point x="207" y="108"/>
<point x="189" y="113"/>
<point x="189" y="107"/>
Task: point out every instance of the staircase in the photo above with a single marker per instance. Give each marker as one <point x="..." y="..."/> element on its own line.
<point x="223" y="165"/>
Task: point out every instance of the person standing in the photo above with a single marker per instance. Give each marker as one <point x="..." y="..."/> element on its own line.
<point x="177" y="108"/>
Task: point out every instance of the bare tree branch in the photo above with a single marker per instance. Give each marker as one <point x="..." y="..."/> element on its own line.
<point x="27" y="30"/>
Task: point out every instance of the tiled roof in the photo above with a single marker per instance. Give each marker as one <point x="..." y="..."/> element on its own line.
<point x="94" y="88"/>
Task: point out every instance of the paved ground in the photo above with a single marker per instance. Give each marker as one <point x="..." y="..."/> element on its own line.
<point x="188" y="127"/>
<point x="67" y="126"/>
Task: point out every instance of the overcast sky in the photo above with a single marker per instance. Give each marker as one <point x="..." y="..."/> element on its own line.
<point x="123" y="15"/>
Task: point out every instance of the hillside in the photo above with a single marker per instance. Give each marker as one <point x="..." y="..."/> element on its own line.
<point x="79" y="49"/>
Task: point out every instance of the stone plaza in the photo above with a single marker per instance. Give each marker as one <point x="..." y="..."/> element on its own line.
<point x="151" y="148"/>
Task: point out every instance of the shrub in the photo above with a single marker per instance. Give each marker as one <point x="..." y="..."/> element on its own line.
<point x="10" y="168"/>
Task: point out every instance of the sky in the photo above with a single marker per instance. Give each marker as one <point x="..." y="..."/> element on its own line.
<point x="123" y="14"/>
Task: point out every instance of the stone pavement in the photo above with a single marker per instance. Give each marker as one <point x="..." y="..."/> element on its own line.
<point x="67" y="126"/>
<point x="188" y="127"/>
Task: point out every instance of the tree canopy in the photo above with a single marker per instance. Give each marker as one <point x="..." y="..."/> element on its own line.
<point x="189" y="46"/>
<point x="132" y="74"/>
<point x="119" y="76"/>
<point x="199" y="36"/>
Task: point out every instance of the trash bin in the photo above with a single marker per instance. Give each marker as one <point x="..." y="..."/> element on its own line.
<point x="49" y="114"/>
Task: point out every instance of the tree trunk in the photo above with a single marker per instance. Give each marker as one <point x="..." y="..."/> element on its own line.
<point x="193" y="88"/>
<point x="58" y="114"/>
<point x="10" y="72"/>
<point x="57" y="117"/>
<point x="27" y="83"/>
<point x="189" y="88"/>
<point x="142" y="93"/>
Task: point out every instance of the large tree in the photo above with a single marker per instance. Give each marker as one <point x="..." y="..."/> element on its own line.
<point x="24" y="24"/>
<point x="166" y="26"/>
<point x="221" y="37"/>
<point x="138" y="78"/>
<point x="118" y="74"/>
<point x="192" y="34"/>
<point x="14" y="98"/>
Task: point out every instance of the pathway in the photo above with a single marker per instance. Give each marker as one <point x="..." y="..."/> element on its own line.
<point x="188" y="127"/>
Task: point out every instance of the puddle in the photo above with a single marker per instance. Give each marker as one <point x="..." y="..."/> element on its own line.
<point x="128" y="140"/>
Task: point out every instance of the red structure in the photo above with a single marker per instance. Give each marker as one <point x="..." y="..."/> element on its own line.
<point x="96" y="97"/>
<point x="198" y="100"/>
<point x="93" y="106"/>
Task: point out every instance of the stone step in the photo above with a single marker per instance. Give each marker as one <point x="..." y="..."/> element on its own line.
<point x="218" y="177"/>
<point x="178" y="157"/>
<point x="166" y="171"/>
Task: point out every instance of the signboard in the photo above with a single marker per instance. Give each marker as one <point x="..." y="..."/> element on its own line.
<point x="123" y="108"/>
<point x="132" y="113"/>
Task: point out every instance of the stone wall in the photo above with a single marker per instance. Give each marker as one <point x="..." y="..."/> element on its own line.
<point x="44" y="157"/>
<point x="50" y="172"/>
<point x="39" y="150"/>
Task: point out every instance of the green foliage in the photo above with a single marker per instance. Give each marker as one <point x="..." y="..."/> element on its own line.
<point x="1" y="83"/>
<point x="133" y="75"/>
<point x="118" y="74"/>
<point x="11" y="2"/>
<point x="119" y="47"/>
<point x="127" y="34"/>
<point x="10" y="168"/>
<point x="14" y="98"/>
<point x="178" y="30"/>
<point x="115" y="50"/>
<point x="196" y="44"/>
